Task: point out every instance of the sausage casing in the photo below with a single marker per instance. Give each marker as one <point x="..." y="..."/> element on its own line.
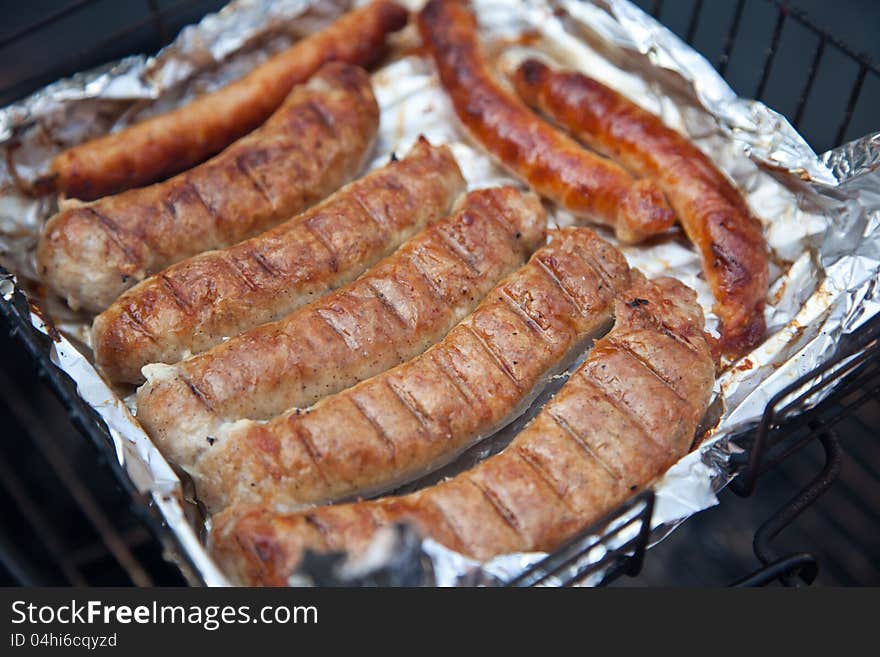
<point x="553" y="164"/>
<point x="711" y="210"/>
<point x="194" y="304"/>
<point x="172" y="142"/>
<point x="392" y="313"/>
<point x="627" y="414"/>
<point x="316" y="141"/>
<point x="399" y="424"/>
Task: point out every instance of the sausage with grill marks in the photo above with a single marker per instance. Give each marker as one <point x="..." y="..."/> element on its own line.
<point x="194" y="304"/>
<point x="711" y="210"/>
<point x="399" y="424"/>
<point x="552" y="163"/>
<point x="619" y="422"/>
<point x="392" y="313"/>
<point x="169" y="143"/>
<point x="318" y="139"/>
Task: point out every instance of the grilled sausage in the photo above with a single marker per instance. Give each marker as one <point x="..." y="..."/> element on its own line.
<point x="174" y="141"/>
<point x="554" y="165"/>
<point x="626" y="415"/>
<point x="317" y="140"/>
<point x="393" y="427"/>
<point x="711" y="210"/>
<point x="392" y="313"/>
<point x="192" y="305"/>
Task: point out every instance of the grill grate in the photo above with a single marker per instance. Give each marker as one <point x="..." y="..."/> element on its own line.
<point x="744" y="53"/>
<point x="72" y="517"/>
<point x="622" y="556"/>
<point x="65" y="518"/>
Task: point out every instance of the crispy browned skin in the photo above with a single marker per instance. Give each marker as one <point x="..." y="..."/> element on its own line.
<point x="193" y="305"/>
<point x="711" y="210"/>
<point x="389" y="315"/>
<point x="174" y="141"/>
<point x="397" y="425"/>
<point x="315" y="142"/>
<point x="620" y="421"/>
<point x="556" y="166"/>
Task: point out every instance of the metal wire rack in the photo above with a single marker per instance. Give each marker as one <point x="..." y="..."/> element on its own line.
<point x="127" y="538"/>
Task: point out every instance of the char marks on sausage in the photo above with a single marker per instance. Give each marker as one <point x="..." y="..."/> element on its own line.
<point x="316" y="141"/>
<point x="396" y="310"/>
<point x="711" y="210"/>
<point x="626" y="415"/>
<point x="556" y="166"/>
<point x="169" y="143"/>
<point x="399" y="424"/>
<point x="195" y="304"/>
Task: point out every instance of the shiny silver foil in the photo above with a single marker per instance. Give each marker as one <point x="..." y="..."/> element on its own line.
<point x="821" y="215"/>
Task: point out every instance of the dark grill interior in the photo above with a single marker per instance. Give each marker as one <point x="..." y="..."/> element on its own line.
<point x="66" y="518"/>
<point x="44" y="40"/>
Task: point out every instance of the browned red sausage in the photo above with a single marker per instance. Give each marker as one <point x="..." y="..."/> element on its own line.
<point x="391" y="428"/>
<point x="556" y="166"/>
<point x="388" y="316"/>
<point x="626" y="415"/>
<point x="197" y="303"/>
<point x="174" y="141"/>
<point x="711" y="210"/>
<point x="317" y="140"/>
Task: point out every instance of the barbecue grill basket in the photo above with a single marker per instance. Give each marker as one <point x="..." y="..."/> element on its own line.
<point x="852" y="374"/>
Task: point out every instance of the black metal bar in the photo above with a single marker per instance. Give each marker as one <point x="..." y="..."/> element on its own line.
<point x="634" y="564"/>
<point x="862" y="378"/>
<point x="865" y="379"/>
<point x="78" y="491"/>
<point x="133" y="537"/>
<point x="15" y="312"/>
<point x="851" y="104"/>
<point x="617" y="556"/>
<point x="694" y="22"/>
<point x="833" y="417"/>
<point x="802" y="564"/>
<point x="811" y="78"/>
<point x="724" y="60"/>
<point x="833" y="521"/>
<point x="568" y="554"/>
<point x="788" y="449"/>
<point x="800" y="17"/>
<point x="41" y="526"/>
<point x="798" y="504"/>
<point x="627" y="564"/>
<point x="809" y="384"/>
<point x="770" y="53"/>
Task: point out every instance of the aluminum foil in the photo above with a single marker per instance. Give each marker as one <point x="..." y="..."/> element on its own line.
<point x="821" y="216"/>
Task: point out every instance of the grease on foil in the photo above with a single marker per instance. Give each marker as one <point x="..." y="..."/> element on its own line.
<point x="821" y="216"/>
